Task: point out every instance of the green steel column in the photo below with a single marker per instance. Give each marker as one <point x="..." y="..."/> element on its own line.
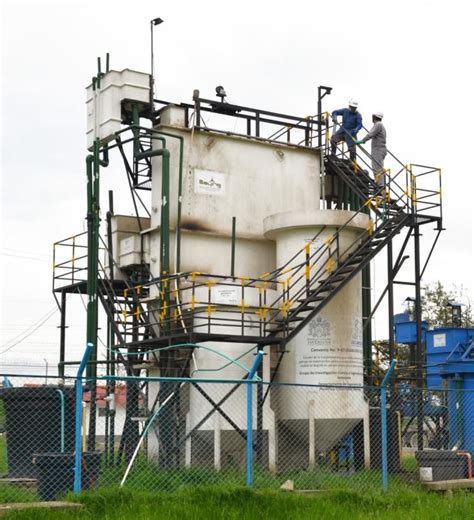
<point x="93" y="219"/>
<point x="91" y="276"/>
<point x="110" y="418"/>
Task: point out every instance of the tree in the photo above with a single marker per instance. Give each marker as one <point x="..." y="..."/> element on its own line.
<point x="436" y="309"/>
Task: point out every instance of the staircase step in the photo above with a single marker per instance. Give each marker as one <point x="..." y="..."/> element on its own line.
<point x="292" y="318"/>
<point x="335" y="279"/>
<point x="355" y="261"/>
<point x="309" y="299"/>
<point x="306" y="307"/>
<point x="328" y="288"/>
<point x="345" y="271"/>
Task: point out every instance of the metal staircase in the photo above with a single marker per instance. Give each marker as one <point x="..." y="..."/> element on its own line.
<point x="321" y="294"/>
<point x="140" y="327"/>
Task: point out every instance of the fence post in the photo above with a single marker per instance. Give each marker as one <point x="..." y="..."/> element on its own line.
<point x="78" y="436"/>
<point x="252" y="372"/>
<point x="383" y="420"/>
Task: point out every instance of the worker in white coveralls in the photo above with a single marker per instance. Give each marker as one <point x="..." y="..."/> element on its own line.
<point x="378" y="135"/>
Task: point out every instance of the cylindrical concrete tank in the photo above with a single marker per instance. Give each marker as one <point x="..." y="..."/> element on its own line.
<point x="328" y="351"/>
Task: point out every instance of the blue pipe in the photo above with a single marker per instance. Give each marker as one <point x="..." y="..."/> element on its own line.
<point x="383" y="419"/>
<point x="251" y="375"/>
<point x="78" y="435"/>
<point x="61" y="396"/>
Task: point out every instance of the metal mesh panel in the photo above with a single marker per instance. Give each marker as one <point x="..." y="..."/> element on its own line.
<point x="165" y="434"/>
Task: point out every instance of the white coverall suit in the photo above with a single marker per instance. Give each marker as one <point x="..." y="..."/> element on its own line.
<point x="378" y="135"/>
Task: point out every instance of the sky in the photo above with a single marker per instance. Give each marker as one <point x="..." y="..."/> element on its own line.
<point x="412" y="60"/>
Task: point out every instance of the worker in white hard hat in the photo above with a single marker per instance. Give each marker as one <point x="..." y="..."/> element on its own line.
<point x="351" y="124"/>
<point x="378" y="136"/>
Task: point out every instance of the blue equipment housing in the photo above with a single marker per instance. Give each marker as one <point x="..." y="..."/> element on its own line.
<point x="441" y="348"/>
<point x="449" y="365"/>
<point x="405" y="329"/>
<point x="458" y="372"/>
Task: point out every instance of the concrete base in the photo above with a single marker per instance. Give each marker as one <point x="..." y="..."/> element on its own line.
<point x="5" y="509"/>
<point x="449" y="485"/>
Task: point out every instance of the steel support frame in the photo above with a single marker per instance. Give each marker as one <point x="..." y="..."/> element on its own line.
<point x="419" y="339"/>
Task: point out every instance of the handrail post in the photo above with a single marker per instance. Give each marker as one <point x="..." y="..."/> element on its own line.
<point x="78" y="426"/>
<point x="251" y="374"/>
<point x="383" y="420"/>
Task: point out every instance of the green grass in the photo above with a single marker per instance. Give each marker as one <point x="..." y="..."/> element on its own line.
<point x="11" y="493"/>
<point x="408" y="463"/>
<point x="152" y="492"/>
<point x="3" y="454"/>
<point x="231" y="503"/>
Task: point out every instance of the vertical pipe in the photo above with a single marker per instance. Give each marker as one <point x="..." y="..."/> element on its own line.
<point x="251" y="374"/>
<point x="107" y="62"/>
<point x="323" y="181"/>
<point x="62" y="337"/>
<point x="419" y="341"/>
<point x="136" y="139"/>
<point x="459" y="413"/>
<point x="320" y="109"/>
<point x="92" y="285"/>
<point x="367" y="327"/>
<point x="232" y="251"/>
<point x="180" y="195"/>
<point x="78" y="425"/>
<point x="110" y="419"/>
<point x="259" y="446"/>
<point x="165" y="214"/>
<point x="197" y="108"/>
<point x="61" y="400"/>
<point x="383" y="420"/>
<point x="391" y="332"/>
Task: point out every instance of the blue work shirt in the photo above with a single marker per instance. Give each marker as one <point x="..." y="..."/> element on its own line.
<point x="351" y="121"/>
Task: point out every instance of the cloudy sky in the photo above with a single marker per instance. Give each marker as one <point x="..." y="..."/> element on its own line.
<point x="410" y="59"/>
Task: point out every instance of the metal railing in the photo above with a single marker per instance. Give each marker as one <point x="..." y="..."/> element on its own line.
<point x="70" y="260"/>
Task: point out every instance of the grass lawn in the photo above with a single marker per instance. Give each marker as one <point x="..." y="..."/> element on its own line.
<point x="143" y="498"/>
<point x="3" y="454"/>
<point x="239" y="503"/>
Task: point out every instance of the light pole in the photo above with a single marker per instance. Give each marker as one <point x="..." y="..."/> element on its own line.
<point x="155" y="21"/>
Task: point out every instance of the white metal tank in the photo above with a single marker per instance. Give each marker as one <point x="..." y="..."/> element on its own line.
<point x="215" y="439"/>
<point x="329" y="350"/>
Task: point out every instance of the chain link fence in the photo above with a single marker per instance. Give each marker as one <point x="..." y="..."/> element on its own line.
<point x="165" y="434"/>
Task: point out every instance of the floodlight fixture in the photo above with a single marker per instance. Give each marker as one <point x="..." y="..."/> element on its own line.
<point x="220" y="92"/>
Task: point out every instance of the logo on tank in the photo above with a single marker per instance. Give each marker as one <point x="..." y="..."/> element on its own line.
<point x="319" y="330"/>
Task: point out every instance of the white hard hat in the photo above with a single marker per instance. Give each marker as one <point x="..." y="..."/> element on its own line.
<point x="353" y="103"/>
<point x="378" y="115"/>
